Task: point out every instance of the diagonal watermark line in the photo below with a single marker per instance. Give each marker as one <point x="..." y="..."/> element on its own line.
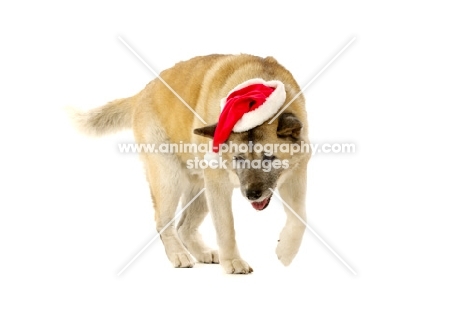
<point x="314" y="233"/>
<point x="161" y="79"/>
<point x="160" y="232"/>
<point x="313" y="79"/>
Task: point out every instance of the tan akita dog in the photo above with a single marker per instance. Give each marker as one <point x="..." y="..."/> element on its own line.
<point x="158" y="115"/>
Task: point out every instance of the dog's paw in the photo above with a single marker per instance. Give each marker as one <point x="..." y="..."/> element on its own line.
<point x="236" y="266"/>
<point x="208" y="256"/>
<point x="194" y="244"/>
<point x="287" y="250"/>
<point x="181" y="260"/>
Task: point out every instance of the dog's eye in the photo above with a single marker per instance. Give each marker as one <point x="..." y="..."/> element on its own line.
<point x="268" y="157"/>
<point x="238" y="158"/>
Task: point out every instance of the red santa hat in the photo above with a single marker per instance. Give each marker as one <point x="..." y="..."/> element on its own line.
<point x="246" y="106"/>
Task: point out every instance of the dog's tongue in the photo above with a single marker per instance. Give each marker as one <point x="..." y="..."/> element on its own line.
<point x="260" y="205"/>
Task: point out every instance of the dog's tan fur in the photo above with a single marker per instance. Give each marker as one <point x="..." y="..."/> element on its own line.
<point x="156" y="115"/>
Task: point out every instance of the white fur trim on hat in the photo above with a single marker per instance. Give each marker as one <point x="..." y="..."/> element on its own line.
<point x="265" y="111"/>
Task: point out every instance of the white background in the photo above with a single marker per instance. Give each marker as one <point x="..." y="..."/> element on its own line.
<point x="74" y="211"/>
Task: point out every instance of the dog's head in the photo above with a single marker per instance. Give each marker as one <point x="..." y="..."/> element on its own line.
<point x="260" y="156"/>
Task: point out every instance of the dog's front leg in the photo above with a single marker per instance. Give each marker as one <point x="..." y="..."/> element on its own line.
<point x="293" y="192"/>
<point x="219" y="196"/>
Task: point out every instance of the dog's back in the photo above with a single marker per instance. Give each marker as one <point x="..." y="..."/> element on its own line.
<point x="196" y="85"/>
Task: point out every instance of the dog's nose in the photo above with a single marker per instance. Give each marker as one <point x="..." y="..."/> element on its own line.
<point x="253" y="194"/>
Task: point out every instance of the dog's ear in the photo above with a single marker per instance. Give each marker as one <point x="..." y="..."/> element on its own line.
<point x="207" y="131"/>
<point x="289" y="126"/>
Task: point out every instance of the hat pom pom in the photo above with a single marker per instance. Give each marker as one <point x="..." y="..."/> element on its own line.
<point x="212" y="159"/>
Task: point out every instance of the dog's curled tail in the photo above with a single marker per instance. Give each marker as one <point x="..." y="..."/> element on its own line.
<point x="107" y="119"/>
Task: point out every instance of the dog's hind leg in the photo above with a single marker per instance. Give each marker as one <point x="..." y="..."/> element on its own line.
<point x="191" y="219"/>
<point x="166" y="192"/>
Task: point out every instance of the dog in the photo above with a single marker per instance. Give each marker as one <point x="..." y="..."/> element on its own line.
<point x="182" y="105"/>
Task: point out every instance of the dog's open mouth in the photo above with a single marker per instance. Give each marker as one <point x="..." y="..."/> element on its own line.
<point x="261" y="205"/>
